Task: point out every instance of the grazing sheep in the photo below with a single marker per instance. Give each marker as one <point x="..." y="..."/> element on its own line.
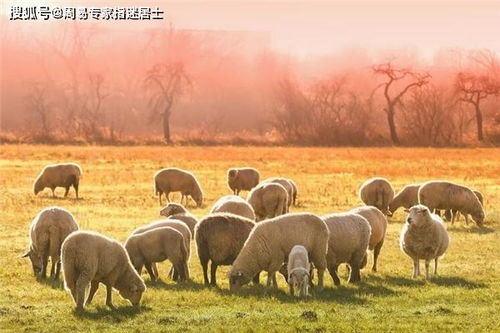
<point x="423" y="236"/>
<point x="58" y="175"/>
<point x="157" y="245"/>
<point x="447" y="195"/>
<point x="407" y="198"/>
<point x="378" y="224"/>
<point x="219" y="238"/>
<point x="177" y="211"/>
<point x="89" y="257"/>
<point x="287" y="184"/>
<point x="348" y="242"/>
<point x="172" y="223"/>
<point x="271" y="241"/>
<point x="177" y="180"/>
<point x="233" y="204"/>
<point x="48" y="230"/>
<point x="452" y="215"/>
<point x="377" y="192"/>
<point x="298" y="270"/>
<point x="268" y="200"/>
<point x="242" y="179"/>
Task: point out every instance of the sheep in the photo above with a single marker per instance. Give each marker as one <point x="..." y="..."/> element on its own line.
<point x="89" y="257"/>
<point x="287" y="184"/>
<point x="423" y="236"/>
<point x="298" y="270"/>
<point x="157" y="245"/>
<point x="271" y="241"/>
<point x="294" y="191"/>
<point x="377" y="192"/>
<point x="245" y="179"/>
<point x="233" y="204"/>
<point x="175" y="224"/>
<point x="177" y="180"/>
<point x="378" y="225"/>
<point x="219" y="239"/>
<point x="178" y="212"/>
<point x="348" y="242"/>
<point x="58" y="175"/>
<point x="268" y="200"/>
<point x="448" y="195"/>
<point x="407" y="197"/>
<point x="452" y="215"/>
<point x="47" y="232"/>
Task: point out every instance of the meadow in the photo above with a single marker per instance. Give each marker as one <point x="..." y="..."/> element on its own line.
<point x="117" y="196"/>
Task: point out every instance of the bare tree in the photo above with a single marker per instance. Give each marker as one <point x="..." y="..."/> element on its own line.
<point x="92" y="115"/>
<point x="409" y="78"/>
<point x="168" y="81"/>
<point x="475" y="86"/>
<point x="39" y="105"/>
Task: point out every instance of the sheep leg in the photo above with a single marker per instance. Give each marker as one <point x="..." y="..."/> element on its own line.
<point x="151" y="272"/>
<point x="75" y="186"/>
<point x="292" y="289"/>
<point x="66" y="190"/>
<point x="213" y="271"/>
<point x="58" y="270"/>
<point x="275" y="282"/>
<point x="355" y="274"/>
<point x="435" y="266"/>
<point x="416" y="268"/>
<point x="94" y="285"/>
<point x="453" y="217"/>
<point x="333" y="274"/>
<point x="109" y="299"/>
<point x="256" y="279"/>
<point x="155" y="270"/>
<point x="53" y="193"/>
<point x="45" y="260"/>
<point x="376" y="253"/>
<point x="159" y="197"/>
<point x="271" y="279"/>
<point x="80" y="285"/>
<point x="204" y="266"/>
<point x="466" y="219"/>
<point x="427" y="275"/>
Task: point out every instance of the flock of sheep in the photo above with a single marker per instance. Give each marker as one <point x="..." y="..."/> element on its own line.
<point x="293" y="244"/>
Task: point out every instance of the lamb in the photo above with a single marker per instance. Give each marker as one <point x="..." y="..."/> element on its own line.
<point x="268" y="200"/>
<point x="219" y="239"/>
<point x="233" y="204"/>
<point x="177" y="211"/>
<point x="423" y="236"/>
<point x="245" y="179"/>
<point x="407" y="198"/>
<point x="48" y="230"/>
<point x="448" y="195"/>
<point x="58" y="175"/>
<point x="298" y="270"/>
<point x="287" y="184"/>
<point x="378" y="224"/>
<point x="377" y="192"/>
<point x="89" y="257"/>
<point x="157" y="245"/>
<point x="349" y="239"/>
<point x="177" y="180"/>
<point x="455" y="215"/>
<point x="172" y="223"/>
<point x="271" y="241"/>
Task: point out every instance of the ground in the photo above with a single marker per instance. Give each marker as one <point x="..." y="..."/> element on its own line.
<point x="117" y="196"/>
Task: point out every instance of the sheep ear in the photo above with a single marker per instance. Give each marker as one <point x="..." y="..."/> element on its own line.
<point x="26" y="254"/>
<point x="407" y="210"/>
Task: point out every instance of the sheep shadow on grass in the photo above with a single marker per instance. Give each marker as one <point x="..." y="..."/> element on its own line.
<point x="174" y="286"/>
<point x="448" y="281"/>
<point x="473" y="230"/>
<point x="54" y="284"/>
<point x="117" y="315"/>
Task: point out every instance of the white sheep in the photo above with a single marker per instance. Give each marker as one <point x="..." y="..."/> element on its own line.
<point x="407" y="198"/>
<point x="298" y="270"/>
<point x="177" y="180"/>
<point x="289" y="187"/>
<point x="89" y="257"/>
<point x="268" y="200"/>
<point x="447" y="195"/>
<point x="377" y="192"/>
<point x="454" y="215"/>
<point x="242" y="179"/>
<point x="271" y="241"/>
<point x="47" y="232"/>
<point x="233" y="204"/>
<point x="58" y="175"/>
<point x="177" y="211"/>
<point x="423" y="237"/>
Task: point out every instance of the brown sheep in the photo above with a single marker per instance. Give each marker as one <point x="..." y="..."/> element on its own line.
<point x="177" y="180"/>
<point x="377" y="192"/>
<point x="239" y="179"/>
<point x="268" y="200"/>
<point x="59" y="175"/>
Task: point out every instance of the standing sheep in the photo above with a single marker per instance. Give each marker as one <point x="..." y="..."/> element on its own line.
<point x="423" y="236"/>
<point x="89" y="257"/>
<point x="219" y="239"/>
<point x="348" y="242"/>
<point x="453" y="215"/>
<point x="242" y="179"/>
<point x="48" y="230"/>
<point x="157" y="245"/>
<point x="377" y="192"/>
<point x="177" y="180"/>
<point x="233" y="204"/>
<point x="407" y="198"/>
<point x="289" y="187"/>
<point x="447" y="195"/>
<point x="271" y="241"/>
<point x="298" y="270"/>
<point x="177" y="211"/>
<point x="58" y="175"/>
<point x="378" y="224"/>
<point x="268" y="200"/>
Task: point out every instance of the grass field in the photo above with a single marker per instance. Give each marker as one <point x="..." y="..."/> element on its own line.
<point x="117" y="196"/>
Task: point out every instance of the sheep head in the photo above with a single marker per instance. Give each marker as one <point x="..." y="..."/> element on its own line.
<point x="418" y="215"/>
<point x="38" y="186"/>
<point x="237" y="279"/>
<point x="172" y="209"/>
<point x="36" y="260"/>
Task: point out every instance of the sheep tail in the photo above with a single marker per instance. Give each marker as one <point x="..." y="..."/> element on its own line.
<point x="69" y="271"/>
<point x="281" y="207"/>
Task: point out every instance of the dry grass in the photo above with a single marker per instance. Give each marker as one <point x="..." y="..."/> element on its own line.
<point x="117" y="196"/>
